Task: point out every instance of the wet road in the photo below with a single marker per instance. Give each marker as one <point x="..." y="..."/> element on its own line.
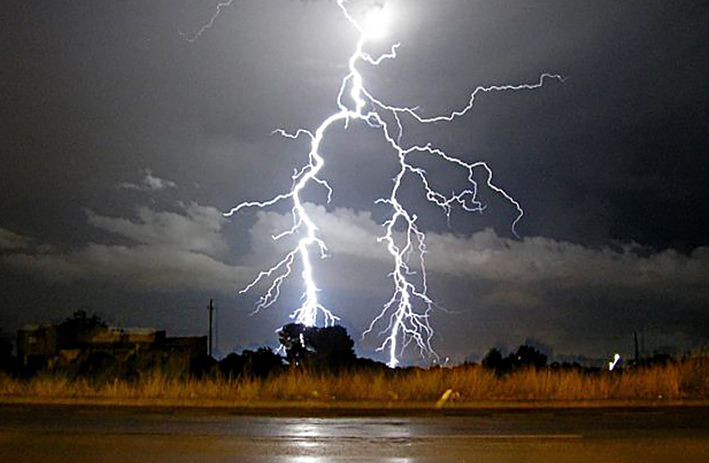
<point x="41" y="434"/>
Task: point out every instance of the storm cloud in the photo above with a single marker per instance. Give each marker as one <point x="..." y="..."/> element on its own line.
<point x="186" y="250"/>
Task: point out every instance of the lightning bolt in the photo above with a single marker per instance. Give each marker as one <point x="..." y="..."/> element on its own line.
<point x="208" y="25"/>
<point x="406" y="315"/>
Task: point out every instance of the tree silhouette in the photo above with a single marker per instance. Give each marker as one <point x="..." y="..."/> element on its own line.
<point x="333" y="347"/>
<point x="291" y="337"/>
<point x="525" y="357"/>
<point x="7" y="361"/>
<point x="493" y="360"/>
<point x="528" y="356"/>
<point x="260" y="363"/>
<point x="80" y="324"/>
<point x="322" y="348"/>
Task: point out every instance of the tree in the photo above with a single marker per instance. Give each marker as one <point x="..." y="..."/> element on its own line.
<point x="333" y="347"/>
<point x="258" y="364"/>
<point x="291" y="337"/>
<point x="525" y="357"/>
<point x="232" y="366"/>
<point x="493" y="360"/>
<point x="79" y="324"/>
<point x="7" y="361"/>
<point x="262" y="363"/>
<point x="324" y="348"/>
<point x="528" y="356"/>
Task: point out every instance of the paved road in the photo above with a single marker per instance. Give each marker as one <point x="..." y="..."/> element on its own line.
<point x="78" y="435"/>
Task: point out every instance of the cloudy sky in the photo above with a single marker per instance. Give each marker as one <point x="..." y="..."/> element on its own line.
<point x="122" y="142"/>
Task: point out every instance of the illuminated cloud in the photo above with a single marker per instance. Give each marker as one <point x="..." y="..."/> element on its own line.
<point x="142" y="267"/>
<point x="195" y="228"/>
<point x="187" y="249"/>
<point x="167" y="251"/>
<point x="487" y="256"/>
<point x="149" y="182"/>
<point x="494" y="288"/>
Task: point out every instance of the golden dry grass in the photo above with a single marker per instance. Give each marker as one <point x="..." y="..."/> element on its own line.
<point x="688" y="379"/>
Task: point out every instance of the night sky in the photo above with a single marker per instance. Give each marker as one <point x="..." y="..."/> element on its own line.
<point x="121" y="144"/>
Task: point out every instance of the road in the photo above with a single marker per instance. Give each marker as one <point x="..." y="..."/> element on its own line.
<point x="78" y="435"/>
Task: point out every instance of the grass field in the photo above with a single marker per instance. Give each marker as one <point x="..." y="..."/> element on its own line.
<point x="685" y="380"/>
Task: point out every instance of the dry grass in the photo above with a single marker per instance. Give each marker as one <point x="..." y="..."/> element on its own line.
<point x="675" y="381"/>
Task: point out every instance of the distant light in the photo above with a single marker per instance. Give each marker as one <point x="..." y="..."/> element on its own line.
<point x="611" y="365"/>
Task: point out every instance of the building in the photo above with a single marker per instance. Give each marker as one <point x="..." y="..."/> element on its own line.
<point x="43" y="346"/>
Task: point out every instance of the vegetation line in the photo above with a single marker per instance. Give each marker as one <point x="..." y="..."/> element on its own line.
<point x="674" y="381"/>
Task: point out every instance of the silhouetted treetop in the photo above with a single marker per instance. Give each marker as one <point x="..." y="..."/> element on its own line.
<point x="80" y="322"/>
<point x="525" y="357"/>
<point x="329" y="348"/>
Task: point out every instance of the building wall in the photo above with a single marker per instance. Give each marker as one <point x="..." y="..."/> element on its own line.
<point x="47" y="345"/>
<point x="37" y="342"/>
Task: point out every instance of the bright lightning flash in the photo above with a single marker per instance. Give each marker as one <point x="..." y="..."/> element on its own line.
<point x="376" y="23"/>
<point x="220" y="6"/>
<point x="407" y="313"/>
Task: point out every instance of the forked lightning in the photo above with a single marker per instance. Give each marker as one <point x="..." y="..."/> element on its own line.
<point x="405" y="318"/>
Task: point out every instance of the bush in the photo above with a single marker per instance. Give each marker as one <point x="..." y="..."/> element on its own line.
<point x="256" y="364"/>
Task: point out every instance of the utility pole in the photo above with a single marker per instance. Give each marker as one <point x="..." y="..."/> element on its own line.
<point x="637" y="353"/>
<point x="210" y="308"/>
